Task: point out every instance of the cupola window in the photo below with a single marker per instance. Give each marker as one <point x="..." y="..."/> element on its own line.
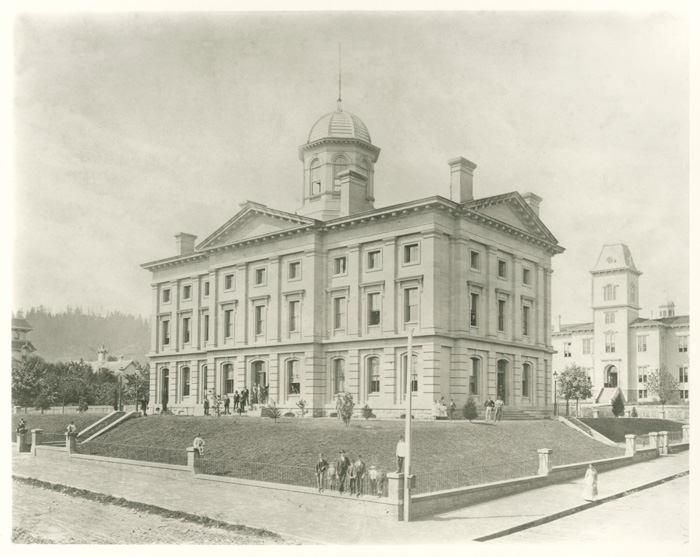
<point x="340" y="164"/>
<point x="315" y="177"/>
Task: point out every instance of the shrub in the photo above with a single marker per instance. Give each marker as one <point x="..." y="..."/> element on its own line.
<point x="302" y="408"/>
<point x="367" y="412"/>
<point x="469" y="411"/>
<point x="618" y="406"/>
<point x="274" y="411"/>
<point x="346" y="408"/>
<point x="634" y="413"/>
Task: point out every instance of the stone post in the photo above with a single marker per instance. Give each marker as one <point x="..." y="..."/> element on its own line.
<point x="71" y="445"/>
<point x="686" y="434"/>
<point x="630" y="447"/>
<point x="654" y="441"/>
<point x="545" y="462"/>
<point x="36" y="439"/>
<point x="194" y="460"/>
<point x="596" y="413"/>
<point x="663" y="449"/>
<point x="395" y="486"/>
<point x="662" y="415"/>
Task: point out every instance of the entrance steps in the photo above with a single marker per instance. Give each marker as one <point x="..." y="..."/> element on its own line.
<point x="112" y="424"/>
<point x="606" y="395"/>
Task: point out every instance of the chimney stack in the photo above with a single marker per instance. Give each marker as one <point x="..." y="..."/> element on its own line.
<point x="185" y="243"/>
<point x="533" y="201"/>
<point x="462" y="179"/>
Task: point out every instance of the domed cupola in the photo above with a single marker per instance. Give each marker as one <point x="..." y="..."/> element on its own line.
<point x="338" y="167"/>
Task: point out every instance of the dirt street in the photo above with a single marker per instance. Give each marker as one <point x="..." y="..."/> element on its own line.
<point x="44" y="516"/>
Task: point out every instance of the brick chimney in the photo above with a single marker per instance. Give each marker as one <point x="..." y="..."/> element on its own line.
<point x="533" y="201"/>
<point x="185" y="243"/>
<point x="462" y="179"/>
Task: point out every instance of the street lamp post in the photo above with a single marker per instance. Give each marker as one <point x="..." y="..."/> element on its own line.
<point x="409" y="410"/>
<point x="556" y="408"/>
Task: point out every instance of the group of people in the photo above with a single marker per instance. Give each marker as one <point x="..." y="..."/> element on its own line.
<point x="355" y="473"/>
<point x="441" y="410"/>
<point x="493" y="410"/>
<point x="222" y="403"/>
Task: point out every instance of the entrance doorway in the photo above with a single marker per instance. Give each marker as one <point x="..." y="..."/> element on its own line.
<point x="259" y="374"/>
<point x="501" y="380"/>
<point x="165" y="388"/>
<point x="611" y="377"/>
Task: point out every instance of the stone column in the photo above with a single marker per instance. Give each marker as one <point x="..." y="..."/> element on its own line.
<point x="663" y="448"/>
<point x="22" y="443"/>
<point x="395" y="485"/>
<point x="686" y="434"/>
<point x="545" y="462"/>
<point x="661" y="414"/>
<point x="71" y="445"/>
<point x="194" y="460"/>
<point x="630" y="446"/>
<point x="654" y="440"/>
<point x="36" y="439"/>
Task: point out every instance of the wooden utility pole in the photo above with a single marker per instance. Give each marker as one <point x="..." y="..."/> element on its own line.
<point x="407" y="461"/>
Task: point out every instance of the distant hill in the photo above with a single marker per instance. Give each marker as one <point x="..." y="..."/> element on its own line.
<point x="73" y="334"/>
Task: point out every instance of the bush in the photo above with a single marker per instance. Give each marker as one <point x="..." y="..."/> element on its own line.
<point x="348" y="404"/>
<point x="634" y="413"/>
<point x="469" y="411"/>
<point x="618" y="406"/>
<point x="302" y="408"/>
<point x="367" y="412"/>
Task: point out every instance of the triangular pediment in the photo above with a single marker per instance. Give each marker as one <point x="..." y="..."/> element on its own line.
<point x="513" y="210"/>
<point x="253" y="221"/>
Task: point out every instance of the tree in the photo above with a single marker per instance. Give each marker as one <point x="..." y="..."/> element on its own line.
<point x="574" y="384"/>
<point x="29" y="377"/>
<point x="274" y="411"/>
<point x="618" y="405"/>
<point x="367" y="412"/>
<point x="634" y="413"/>
<point x="302" y="407"/>
<point x="663" y="385"/>
<point x="346" y="408"/>
<point x="469" y="411"/>
<point x="137" y="385"/>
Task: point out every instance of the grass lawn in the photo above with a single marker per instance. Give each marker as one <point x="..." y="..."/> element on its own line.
<point x="615" y="429"/>
<point x="54" y="423"/>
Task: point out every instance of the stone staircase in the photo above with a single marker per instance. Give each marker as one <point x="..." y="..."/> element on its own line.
<point x="606" y="395"/>
<point x="517" y="414"/>
<point x="106" y="425"/>
<point x="99" y="425"/>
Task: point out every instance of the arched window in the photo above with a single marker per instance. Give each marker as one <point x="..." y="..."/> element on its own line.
<point x="293" y="381"/>
<point x="414" y="371"/>
<point x="373" y="374"/>
<point x="185" y="381"/>
<point x="474" y="377"/>
<point x="338" y="376"/>
<point x="204" y="379"/>
<point x="502" y="369"/>
<point x="228" y="377"/>
<point x="340" y="164"/>
<point x="527" y="377"/>
<point x="259" y="374"/>
<point x="315" y="177"/>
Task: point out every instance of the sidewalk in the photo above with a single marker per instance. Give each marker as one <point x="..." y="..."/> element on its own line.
<point x="317" y="525"/>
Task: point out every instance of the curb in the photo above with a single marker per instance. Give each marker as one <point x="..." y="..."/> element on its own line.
<point x="577" y="509"/>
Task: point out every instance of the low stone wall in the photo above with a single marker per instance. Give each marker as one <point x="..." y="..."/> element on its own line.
<point x="675" y="412"/>
<point x="153" y="468"/>
<point x="55" y="453"/>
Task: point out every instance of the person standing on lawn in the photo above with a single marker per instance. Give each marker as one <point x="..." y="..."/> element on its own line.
<point x="360" y="470"/>
<point x="400" y="454"/>
<point x="199" y="444"/>
<point x="206" y="405"/>
<point x="499" y="409"/>
<point x="341" y="469"/>
<point x="332" y="476"/>
<point x="590" y="484"/>
<point x="372" y="475"/>
<point x="144" y="407"/>
<point x="488" y="406"/>
<point x="236" y="400"/>
<point x="381" y="480"/>
<point x="452" y="407"/>
<point x="321" y="467"/>
<point x="352" y="474"/>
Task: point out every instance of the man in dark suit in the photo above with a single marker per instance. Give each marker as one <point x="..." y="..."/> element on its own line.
<point x="341" y="469"/>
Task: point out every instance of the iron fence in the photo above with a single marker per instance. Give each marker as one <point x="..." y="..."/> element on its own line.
<point x="134" y="452"/>
<point x="576" y="456"/>
<point x="675" y="437"/>
<point x="642" y="441"/>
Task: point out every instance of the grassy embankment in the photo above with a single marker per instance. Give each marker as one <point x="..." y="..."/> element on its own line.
<point x="615" y="429"/>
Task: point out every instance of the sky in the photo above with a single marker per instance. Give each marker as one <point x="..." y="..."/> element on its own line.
<point x="130" y="128"/>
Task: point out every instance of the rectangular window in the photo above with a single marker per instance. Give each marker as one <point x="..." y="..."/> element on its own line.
<point x="185" y="381"/>
<point x="260" y="276"/>
<point x="683" y="394"/>
<point x="228" y="282"/>
<point x="293" y="383"/>
<point x="526" y="277"/>
<point x="609" y="292"/>
<point x="610" y="343"/>
<point x="185" y="330"/>
<point x="228" y="323"/>
<point x="475" y="260"/>
<point x="474" y="377"/>
<point x="374" y="259"/>
<point x="474" y="311"/>
<point x="187" y="292"/>
<point x="294" y="270"/>
<point x="502" y="315"/>
<point x="338" y="313"/>
<point x="373" y="309"/>
<point x="642" y="393"/>
<point x="642" y="343"/>
<point x="293" y="316"/>
<point x="166" y="296"/>
<point x="410" y="305"/>
<point x="410" y="253"/>
<point x="526" y="381"/>
<point x="526" y="321"/>
<point x="259" y="320"/>
<point x="502" y="269"/>
<point x="228" y="377"/>
<point x="682" y="344"/>
<point x="206" y="289"/>
<point x="609" y="317"/>
<point x="642" y="374"/>
<point x="586" y="345"/>
<point x="339" y="265"/>
<point x="206" y="327"/>
<point x="683" y="374"/>
<point x="567" y="350"/>
<point x="373" y="364"/>
<point x="166" y="332"/>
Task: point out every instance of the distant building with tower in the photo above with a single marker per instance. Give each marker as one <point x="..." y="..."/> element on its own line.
<point x="619" y="348"/>
<point x="22" y="347"/>
<point x="320" y="301"/>
<point x="117" y="366"/>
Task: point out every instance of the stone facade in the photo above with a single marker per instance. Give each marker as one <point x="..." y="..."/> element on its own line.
<point x="316" y="306"/>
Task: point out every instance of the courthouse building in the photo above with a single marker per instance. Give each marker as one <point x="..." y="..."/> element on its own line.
<point x="619" y="348"/>
<point x="320" y="301"/>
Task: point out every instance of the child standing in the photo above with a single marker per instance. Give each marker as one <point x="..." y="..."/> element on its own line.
<point x="372" y="474"/>
<point x="331" y="476"/>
